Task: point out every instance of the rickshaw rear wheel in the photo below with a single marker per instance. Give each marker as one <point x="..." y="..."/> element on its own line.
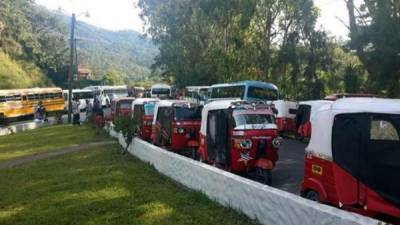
<point x="266" y="176"/>
<point x="312" y="195"/>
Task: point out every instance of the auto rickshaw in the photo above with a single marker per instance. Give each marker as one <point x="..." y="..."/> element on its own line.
<point x="286" y="115"/>
<point x="240" y="137"/>
<point x="176" y="126"/>
<point x="143" y="108"/>
<point x="304" y="114"/>
<point x="352" y="160"/>
<point x="120" y="107"/>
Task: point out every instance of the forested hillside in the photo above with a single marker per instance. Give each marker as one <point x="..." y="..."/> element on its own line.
<point x="205" y="41"/>
<point x="124" y="52"/>
<point x="34" y="48"/>
<point x="32" y="44"/>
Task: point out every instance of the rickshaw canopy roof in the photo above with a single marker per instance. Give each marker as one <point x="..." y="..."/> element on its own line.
<point x="283" y="108"/>
<point x="315" y="105"/>
<point x="322" y="122"/>
<point x="141" y="101"/>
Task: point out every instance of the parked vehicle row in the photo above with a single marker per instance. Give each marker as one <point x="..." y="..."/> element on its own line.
<point x="235" y="135"/>
<point x="351" y="161"/>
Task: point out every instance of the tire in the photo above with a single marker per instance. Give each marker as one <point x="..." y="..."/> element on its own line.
<point x="312" y="195"/>
<point x="194" y="154"/>
<point x="265" y="176"/>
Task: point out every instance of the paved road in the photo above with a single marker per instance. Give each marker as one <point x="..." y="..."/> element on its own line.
<point x="288" y="173"/>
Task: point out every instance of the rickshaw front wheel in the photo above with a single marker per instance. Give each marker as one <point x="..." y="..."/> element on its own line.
<point x="312" y="195"/>
<point x="266" y="176"/>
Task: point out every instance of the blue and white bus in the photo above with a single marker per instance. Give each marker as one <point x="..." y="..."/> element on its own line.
<point x="245" y="90"/>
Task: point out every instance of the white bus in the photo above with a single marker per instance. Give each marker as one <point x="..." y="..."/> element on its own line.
<point x="82" y="95"/>
<point x="196" y="94"/>
<point x="161" y="91"/>
<point x="107" y="93"/>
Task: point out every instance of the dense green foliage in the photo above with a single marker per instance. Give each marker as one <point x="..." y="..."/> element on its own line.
<point x="125" y="53"/>
<point x="34" y="48"/>
<point x="206" y="41"/>
<point x="31" y="44"/>
<point x="375" y="35"/>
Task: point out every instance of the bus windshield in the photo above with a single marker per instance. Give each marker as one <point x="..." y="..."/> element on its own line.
<point x="160" y="91"/>
<point x="83" y="95"/>
<point x="228" y="92"/>
<point x="262" y="93"/>
<point x="183" y="113"/>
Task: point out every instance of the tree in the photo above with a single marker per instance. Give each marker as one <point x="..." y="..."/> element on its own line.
<point x="112" y="78"/>
<point x="375" y="36"/>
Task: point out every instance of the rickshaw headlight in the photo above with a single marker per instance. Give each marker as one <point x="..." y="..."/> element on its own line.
<point x="242" y="143"/>
<point x="180" y="130"/>
<point x="277" y="142"/>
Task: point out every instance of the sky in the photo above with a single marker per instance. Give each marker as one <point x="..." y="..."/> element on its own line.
<point x="123" y="14"/>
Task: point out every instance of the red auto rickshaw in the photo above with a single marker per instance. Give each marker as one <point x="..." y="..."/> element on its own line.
<point x="352" y="160"/>
<point x="176" y="125"/>
<point x="240" y="137"/>
<point x="304" y="114"/>
<point x="120" y="107"/>
<point x="143" y="108"/>
<point x="286" y="115"/>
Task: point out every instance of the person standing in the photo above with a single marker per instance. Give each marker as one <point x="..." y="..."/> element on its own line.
<point x="89" y="110"/>
<point x="40" y="112"/>
<point x="76" y="112"/>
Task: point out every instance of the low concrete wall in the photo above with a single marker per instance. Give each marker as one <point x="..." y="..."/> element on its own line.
<point x="25" y="126"/>
<point x="267" y="205"/>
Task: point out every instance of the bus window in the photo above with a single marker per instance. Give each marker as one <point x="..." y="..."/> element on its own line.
<point x="228" y="92"/>
<point x="262" y="93"/>
<point x="160" y="91"/>
<point x="13" y="98"/>
<point x="2" y="98"/>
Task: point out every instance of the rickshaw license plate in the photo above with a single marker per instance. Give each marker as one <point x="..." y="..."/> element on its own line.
<point x="317" y="169"/>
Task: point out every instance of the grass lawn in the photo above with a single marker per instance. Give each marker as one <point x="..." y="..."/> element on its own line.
<point x="102" y="186"/>
<point x="45" y="139"/>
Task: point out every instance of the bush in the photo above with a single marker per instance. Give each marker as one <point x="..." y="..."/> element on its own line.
<point x="128" y="126"/>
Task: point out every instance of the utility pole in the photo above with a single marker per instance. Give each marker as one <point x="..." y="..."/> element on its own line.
<point x="71" y="67"/>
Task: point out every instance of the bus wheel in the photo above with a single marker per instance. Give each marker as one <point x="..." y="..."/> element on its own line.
<point x="312" y="195"/>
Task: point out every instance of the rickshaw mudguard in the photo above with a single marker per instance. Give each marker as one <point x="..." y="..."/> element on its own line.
<point x="193" y="144"/>
<point x="264" y="163"/>
<point x="315" y="185"/>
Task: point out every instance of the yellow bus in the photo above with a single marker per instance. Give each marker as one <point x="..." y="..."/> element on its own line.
<point x="16" y="103"/>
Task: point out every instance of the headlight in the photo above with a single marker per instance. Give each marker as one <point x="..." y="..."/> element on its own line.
<point x="242" y="143"/>
<point x="179" y="130"/>
<point x="277" y="142"/>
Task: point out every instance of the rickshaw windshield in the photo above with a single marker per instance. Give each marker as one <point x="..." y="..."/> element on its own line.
<point x="242" y="119"/>
<point x="125" y="105"/>
<point x="149" y="109"/>
<point x="183" y="113"/>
